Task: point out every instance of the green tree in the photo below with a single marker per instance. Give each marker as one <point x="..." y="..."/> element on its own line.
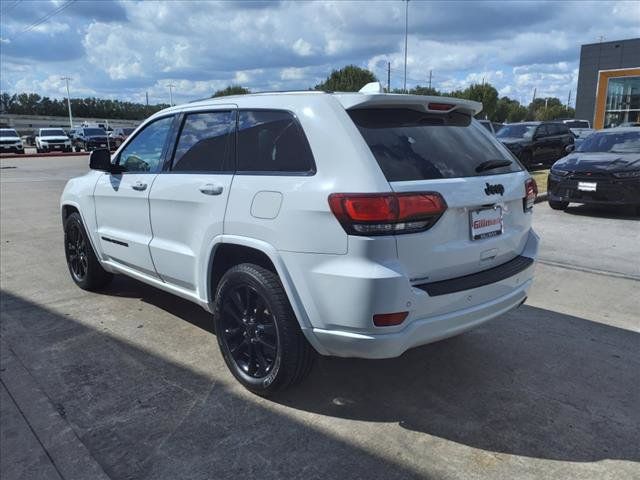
<point x="509" y="110"/>
<point x="231" y="90"/>
<point x="347" y="79"/>
<point x="418" y="90"/>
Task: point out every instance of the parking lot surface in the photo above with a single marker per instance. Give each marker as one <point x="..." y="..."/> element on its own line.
<point x="128" y="383"/>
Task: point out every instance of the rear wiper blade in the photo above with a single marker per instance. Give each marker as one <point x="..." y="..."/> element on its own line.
<point x="491" y="164"/>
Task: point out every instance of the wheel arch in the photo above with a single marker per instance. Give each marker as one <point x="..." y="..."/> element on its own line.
<point x="227" y="251"/>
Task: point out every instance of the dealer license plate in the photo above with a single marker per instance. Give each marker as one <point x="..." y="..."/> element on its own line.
<point x="486" y="222"/>
<point x="587" y="186"/>
<point x="103" y="145"/>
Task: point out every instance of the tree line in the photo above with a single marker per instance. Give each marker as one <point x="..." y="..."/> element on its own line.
<point x="34" y="104"/>
<point x="348" y="79"/>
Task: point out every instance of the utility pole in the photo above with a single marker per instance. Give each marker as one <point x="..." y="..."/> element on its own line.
<point x="388" y="77"/>
<point x="534" y="95"/>
<point x="171" y="87"/>
<point x="147" y="97"/>
<point x="66" y="79"/>
<point x="406" y="35"/>
<point x="569" y="99"/>
<point x="430" y="74"/>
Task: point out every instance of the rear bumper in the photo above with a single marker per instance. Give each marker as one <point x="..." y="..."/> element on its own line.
<point x="342" y="307"/>
<point x="419" y="332"/>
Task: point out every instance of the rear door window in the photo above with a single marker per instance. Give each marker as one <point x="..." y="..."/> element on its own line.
<point x="413" y="145"/>
<point x="206" y="143"/>
<point x="272" y="141"/>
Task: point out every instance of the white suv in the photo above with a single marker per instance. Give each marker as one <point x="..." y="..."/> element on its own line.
<point x="52" y="140"/>
<point x="348" y="224"/>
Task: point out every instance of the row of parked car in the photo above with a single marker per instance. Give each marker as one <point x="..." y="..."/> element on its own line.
<point x="84" y="138"/>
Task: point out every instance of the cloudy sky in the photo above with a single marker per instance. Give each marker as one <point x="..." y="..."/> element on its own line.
<point x="122" y="49"/>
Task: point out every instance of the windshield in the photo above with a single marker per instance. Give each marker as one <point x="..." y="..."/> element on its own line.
<point x="577" y="124"/>
<point x="622" y="142"/>
<point x="94" y="132"/>
<point x="50" y="132"/>
<point x="412" y="145"/>
<point x="127" y="131"/>
<point x="517" y="130"/>
<point x="8" y="132"/>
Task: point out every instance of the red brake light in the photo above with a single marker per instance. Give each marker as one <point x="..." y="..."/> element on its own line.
<point x="531" y="192"/>
<point x="443" y="107"/>
<point x="389" y="319"/>
<point x="387" y="213"/>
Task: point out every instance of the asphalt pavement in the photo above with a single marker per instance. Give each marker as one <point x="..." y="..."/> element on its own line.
<point x="128" y="383"/>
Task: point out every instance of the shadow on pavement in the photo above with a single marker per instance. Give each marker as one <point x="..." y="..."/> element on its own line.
<point x="144" y="417"/>
<point x="604" y="211"/>
<point x="535" y="383"/>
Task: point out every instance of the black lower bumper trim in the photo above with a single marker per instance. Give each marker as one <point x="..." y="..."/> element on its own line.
<point x="475" y="280"/>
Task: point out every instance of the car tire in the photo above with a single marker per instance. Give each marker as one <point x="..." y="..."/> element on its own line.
<point x="257" y="331"/>
<point x="84" y="267"/>
<point x="38" y="150"/>
<point x="558" y="205"/>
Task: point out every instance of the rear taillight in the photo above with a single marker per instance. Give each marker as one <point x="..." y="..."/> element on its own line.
<point x="440" y="107"/>
<point x="531" y="192"/>
<point x="386" y="213"/>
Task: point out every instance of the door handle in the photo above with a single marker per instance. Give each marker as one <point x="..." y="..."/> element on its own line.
<point x="210" y="189"/>
<point x="139" y="186"/>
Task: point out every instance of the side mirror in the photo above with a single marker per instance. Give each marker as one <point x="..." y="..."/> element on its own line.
<point x="570" y="148"/>
<point x="100" y="160"/>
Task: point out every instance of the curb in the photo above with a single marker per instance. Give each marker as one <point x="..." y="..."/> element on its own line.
<point x="69" y="456"/>
<point x="30" y="155"/>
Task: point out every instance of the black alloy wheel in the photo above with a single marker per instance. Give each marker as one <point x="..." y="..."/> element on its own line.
<point x="84" y="267"/>
<point x="76" y="249"/>
<point x="249" y="331"/>
<point x="258" y="333"/>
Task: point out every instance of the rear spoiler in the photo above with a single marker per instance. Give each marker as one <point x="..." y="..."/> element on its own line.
<point x="422" y="103"/>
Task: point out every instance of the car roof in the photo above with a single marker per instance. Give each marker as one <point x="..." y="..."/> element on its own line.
<point x="619" y="130"/>
<point x="348" y="100"/>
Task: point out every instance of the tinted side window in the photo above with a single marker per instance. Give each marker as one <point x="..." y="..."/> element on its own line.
<point x="144" y="152"/>
<point x="205" y="143"/>
<point x="272" y="141"/>
<point x="542" y="131"/>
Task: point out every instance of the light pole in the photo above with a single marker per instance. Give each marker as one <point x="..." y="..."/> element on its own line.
<point x="406" y="34"/>
<point x="171" y="86"/>
<point x="66" y="79"/>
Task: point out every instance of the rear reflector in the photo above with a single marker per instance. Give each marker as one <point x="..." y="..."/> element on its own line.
<point x="386" y="213"/>
<point x="389" y="319"/>
<point x="531" y="192"/>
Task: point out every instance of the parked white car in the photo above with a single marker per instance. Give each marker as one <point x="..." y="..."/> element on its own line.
<point x="347" y="224"/>
<point x="52" y="140"/>
<point x="579" y="128"/>
<point x="10" y="141"/>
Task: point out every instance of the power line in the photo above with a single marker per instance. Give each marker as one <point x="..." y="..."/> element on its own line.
<point x="45" y="18"/>
<point x="11" y="7"/>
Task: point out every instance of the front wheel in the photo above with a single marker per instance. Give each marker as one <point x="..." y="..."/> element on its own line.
<point x="558" y="205"/>
<point x="84" y="267"/>
<point x="257" y="331"/>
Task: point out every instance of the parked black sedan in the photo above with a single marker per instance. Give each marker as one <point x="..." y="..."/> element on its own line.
<point x="536" y="143"/>
<point x="604" y="169"/>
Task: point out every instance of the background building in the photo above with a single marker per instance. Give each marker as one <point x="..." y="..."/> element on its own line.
<point x="609" y="83"/>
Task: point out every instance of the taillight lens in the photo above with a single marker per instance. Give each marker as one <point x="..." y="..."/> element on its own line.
<point x="441" y="107"/>
<point x="386" y="213"/>
<point x="531" y="192"/>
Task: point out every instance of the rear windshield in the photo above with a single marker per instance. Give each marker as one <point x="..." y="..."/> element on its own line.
<point x="577" y="124"/>
<point x="412" y="145"/>
<point x="95" y="132"/>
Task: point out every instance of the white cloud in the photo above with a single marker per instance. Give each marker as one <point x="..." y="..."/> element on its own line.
<point x="302" y="48"/>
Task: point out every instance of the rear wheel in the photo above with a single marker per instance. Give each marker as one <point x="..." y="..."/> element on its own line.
<point x="84" y="267"/>
<point x="257" y="331"/>
<point x="558" y="205"/>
